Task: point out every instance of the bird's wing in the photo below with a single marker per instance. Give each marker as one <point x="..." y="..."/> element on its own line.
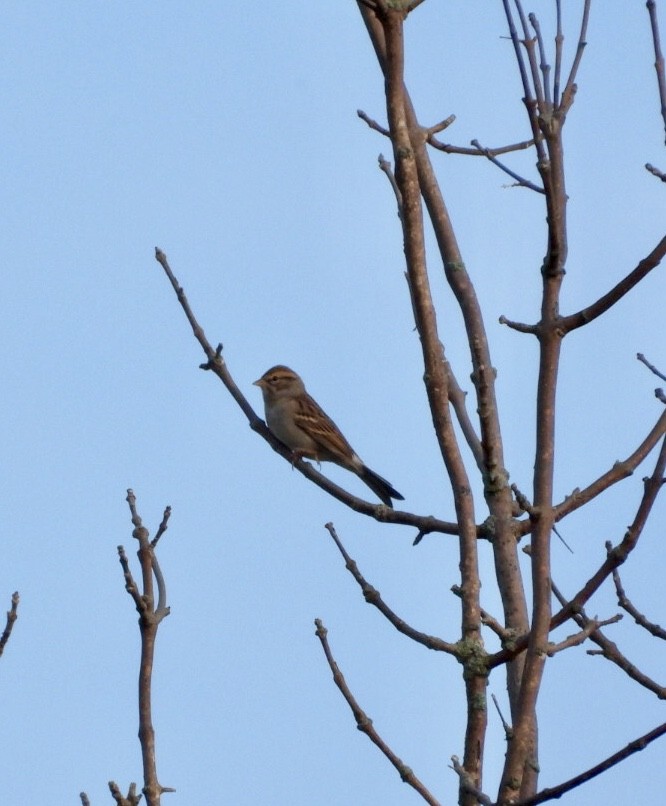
<point x="311" y="418"/>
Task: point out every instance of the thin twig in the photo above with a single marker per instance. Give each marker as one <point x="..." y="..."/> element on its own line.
<point x="528" y="95"/>
<point x="508" y="730"/>
<point x="373" y="597"/>
<point x="218" y="366"/>
<point x="518" y="326"/>
<point x="520" y="181"/>
<point x="364" y="723"/>
<point x="385" y="166"/>
<point x="489" y="621"/>
<point x="652" y="486"/>
<point x="457" y="398"/>
<point x="620" y="470"/>
<point x="467" y="783"/>
<point x="626" y="604"/>
<point x="570" y="88"/>
<point x="12" y="615"/>
<point x="658" y="56"/>
<point x="655" y="171"/>
<point x="545" y="67"/>
<point x="161" y="529"/>
<point x="650" y="366"/>
<point x="373" y="123"/>
<point x="449" y="148"/>
<point x="609" y="650"/>
<point x="578" y="638"/>
<point x="131" y="799"/>
<point x="559" y="41"/>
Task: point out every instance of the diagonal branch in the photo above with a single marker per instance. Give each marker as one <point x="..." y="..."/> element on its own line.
<point x="218" y="366"/>
<point x="619" y="471"/>
<point x="650" y="366"/>
<point x="651" y="261"/>
<point x="591" y="625"/>
<point x="364" y="723"/>
<point x="372" y="596"/>
<point x="12" y="615"/>
<point x="555" y="792"/>
<point x="618" y="555"/>
<point x="609" y="650"/>
<point x="520" y="181"/>
<point x="615" y="558"/>
<point x="626" y="604"/>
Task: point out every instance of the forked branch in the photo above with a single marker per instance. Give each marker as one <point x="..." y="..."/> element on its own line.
<point x="150" y="616"/>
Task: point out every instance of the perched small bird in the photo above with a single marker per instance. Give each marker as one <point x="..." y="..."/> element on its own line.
<point x="298" y="421"/>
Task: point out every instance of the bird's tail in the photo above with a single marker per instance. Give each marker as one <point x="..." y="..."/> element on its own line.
<point x="380" y="487"/>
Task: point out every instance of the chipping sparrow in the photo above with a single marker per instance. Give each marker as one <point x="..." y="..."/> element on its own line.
<point x="296" y="419"/>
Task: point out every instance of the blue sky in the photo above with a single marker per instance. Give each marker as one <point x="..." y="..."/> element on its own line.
<point x="227" y="135"/>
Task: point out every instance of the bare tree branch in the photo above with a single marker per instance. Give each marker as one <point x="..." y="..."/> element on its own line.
<point x="449" y="148"/>
<point x="585" y="316"/>
<point x="544" y="66"/>
<point x="655" y="171"/>
<point x="416" y="179"/>
<point x="575" y="640"/>
<point x="559" y="41"/>
<point x="618" y="555"/>
<point x="132" y="799"/>
<point x="364" y="723"/>
<point x="150" y="617"/>
<point x="626" y="604"/>
<point x="614" y="559"/>
<point x="610" y="651"/>
<point x="570" y="88"/>
<point x="528" y="95"/>
<point x="373" y="123"/>
<point x="12" y="615"/>
<point x="619" y="471"/>
<point x="467" y="784"/>
<point x="372" y="596"/>
<point x="658" y="56"/>
<point x="520" y="181"/>
<point x="216" y="364"/>
<point x="385" y="166"/>
<point x="557" y="791"/>
<point x="650" y="366"/>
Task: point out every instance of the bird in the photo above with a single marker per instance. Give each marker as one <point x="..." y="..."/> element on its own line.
<point x="298" y="421"/>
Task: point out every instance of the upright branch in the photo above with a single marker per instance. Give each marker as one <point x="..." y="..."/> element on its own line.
<point x="150" y="616"/>
<point x="658" y="57"/>
<point x="547" y="111"/>
<point x="405" y="136"/>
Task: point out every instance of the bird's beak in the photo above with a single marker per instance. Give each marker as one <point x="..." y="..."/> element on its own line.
<point x="258" y="383"/>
